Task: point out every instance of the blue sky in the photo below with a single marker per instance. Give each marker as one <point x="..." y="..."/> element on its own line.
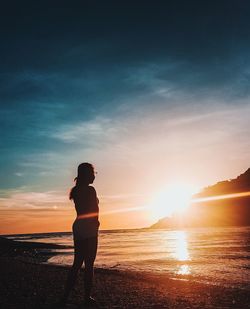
<point x="141" y="89"/>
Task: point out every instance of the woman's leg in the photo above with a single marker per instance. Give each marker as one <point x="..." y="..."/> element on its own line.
<point x="89" y="259"/>
<point x="72" y="274"/>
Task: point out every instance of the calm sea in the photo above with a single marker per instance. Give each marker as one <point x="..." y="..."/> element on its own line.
<point x="215" y="255"/>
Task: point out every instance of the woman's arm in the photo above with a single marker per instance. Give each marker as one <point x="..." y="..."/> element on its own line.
<point x="93" y="201"/>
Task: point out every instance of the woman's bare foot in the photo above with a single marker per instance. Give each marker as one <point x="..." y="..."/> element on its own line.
<point x="91" y="302"/>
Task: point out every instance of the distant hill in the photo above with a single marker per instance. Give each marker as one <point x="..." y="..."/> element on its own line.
<point x="239" y="184"/>
<point x="222" y="210"/>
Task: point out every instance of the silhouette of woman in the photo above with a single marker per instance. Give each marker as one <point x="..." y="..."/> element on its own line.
<point x="85" y="230"/>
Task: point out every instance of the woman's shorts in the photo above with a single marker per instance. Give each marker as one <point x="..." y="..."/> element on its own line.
<point x="84" y="228"/>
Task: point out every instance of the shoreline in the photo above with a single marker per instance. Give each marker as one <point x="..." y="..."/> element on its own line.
<point x="28" y="282"/>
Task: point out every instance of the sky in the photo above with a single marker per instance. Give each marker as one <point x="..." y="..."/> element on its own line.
<point x="150" y="92"/>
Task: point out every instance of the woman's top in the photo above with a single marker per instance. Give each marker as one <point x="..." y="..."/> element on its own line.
<point x="86" y="204"/>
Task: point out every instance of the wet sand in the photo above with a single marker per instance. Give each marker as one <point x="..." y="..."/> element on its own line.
<point x="26" y="283"/>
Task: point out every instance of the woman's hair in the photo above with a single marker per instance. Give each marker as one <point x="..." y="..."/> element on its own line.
<point x="84" y="172"/>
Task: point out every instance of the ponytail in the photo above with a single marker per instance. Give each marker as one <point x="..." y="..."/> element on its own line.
<point x="73" y="190"/>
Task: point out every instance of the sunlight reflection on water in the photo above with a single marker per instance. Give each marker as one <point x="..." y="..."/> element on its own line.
<point x="181" y="252"/>
<point x="184" y="270"/>
<point x="209" y="254"/>
<point x="181" y="249"/>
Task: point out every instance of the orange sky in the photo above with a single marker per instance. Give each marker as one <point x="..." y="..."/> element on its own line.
<point x="194" y="149"/>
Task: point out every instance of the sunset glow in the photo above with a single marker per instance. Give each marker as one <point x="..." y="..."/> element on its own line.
<point x="175" y="198"/>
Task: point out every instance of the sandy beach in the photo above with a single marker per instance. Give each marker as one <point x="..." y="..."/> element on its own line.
<point x="26" y="283"/>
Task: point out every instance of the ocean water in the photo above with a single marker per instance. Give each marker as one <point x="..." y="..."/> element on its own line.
<point x="212" y="255"/>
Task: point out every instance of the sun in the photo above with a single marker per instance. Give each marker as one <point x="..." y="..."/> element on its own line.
<point x="174" y="198"/>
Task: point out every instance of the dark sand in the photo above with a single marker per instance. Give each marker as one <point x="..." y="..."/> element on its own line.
<point x="26" y="283"/>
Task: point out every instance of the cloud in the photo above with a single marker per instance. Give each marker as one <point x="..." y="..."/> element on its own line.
<point x="172" y="80"/>
<point x="96" y="129"/>
<point x="33" y="200"/>
<point x="18" y="174"/>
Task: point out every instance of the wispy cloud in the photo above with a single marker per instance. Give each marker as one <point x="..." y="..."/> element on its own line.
<point x="33" y="200"/>
<point x="96" y="129"/>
